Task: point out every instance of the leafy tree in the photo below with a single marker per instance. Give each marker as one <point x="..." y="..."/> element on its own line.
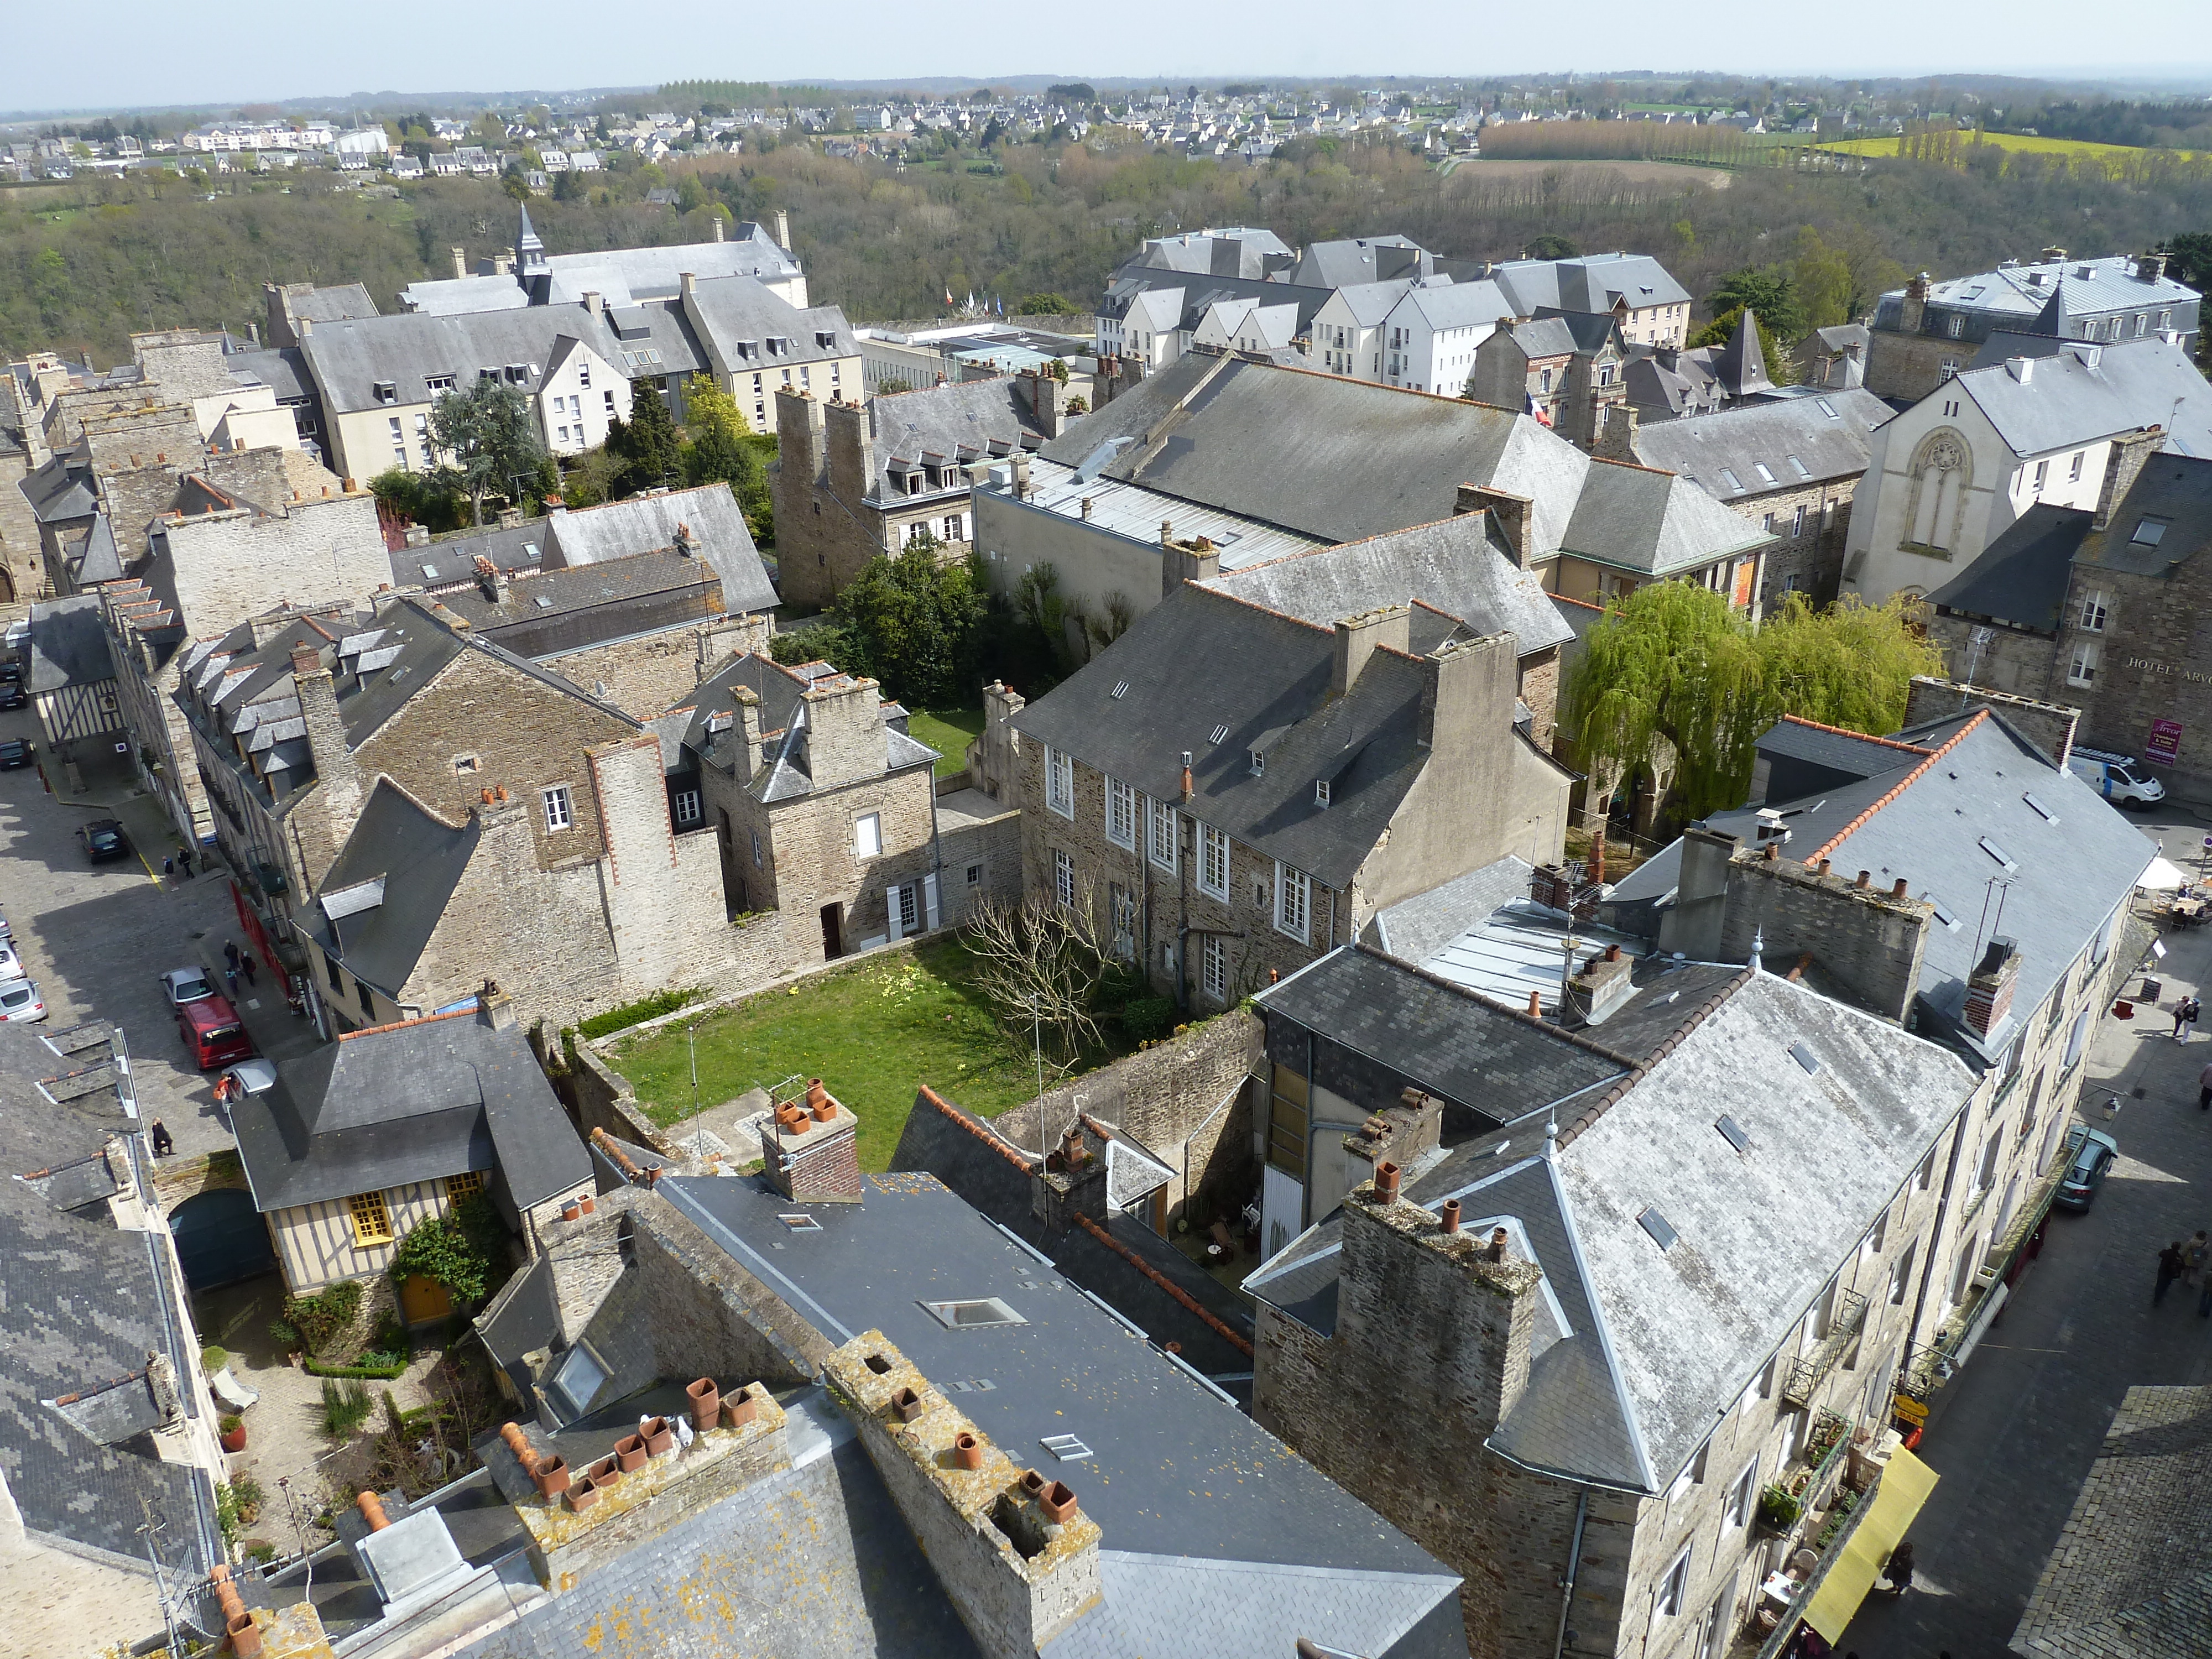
<point x="1072" y="92"/>
<point x="1548" y="246"/>
<point x="1770" y="290"/>
<point x="515" y="185"/>
<point x="1822" y="276"/>
<point x="1046" y="305"/>
<point x="462" y="1250"/>
<point x="914" y="620"/>
<point x="723" y="450"/>
<point x="487" y="437"/>
<point x="646" y="444"/>
<point x="1675" y="674"/>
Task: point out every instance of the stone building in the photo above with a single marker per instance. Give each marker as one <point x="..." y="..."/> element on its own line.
<point x="1567" y="371"/>
<point x="1665" y="1262"/>
<point x="1927" y="331"/>
<point x="855" y="481"/>
<point x="2098" y="608"/>
<point x="1231" y="790"/>
<point x="1671" y="383"/>
<point x="2036" y="425"/>
<point x="361" y="1141"/>
<point x="823" y="811"/>
<point x="1789" y="466"/>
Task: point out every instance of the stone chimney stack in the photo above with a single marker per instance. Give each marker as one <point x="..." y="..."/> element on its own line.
<point x="2130" y="452"/>
<point x="491" y="581"/>
<point x="844" y="730"/>
<point x="1513" y="516"/>
<point x="1196" y="560"/>
<point x="494" y="1008"/>
<point x="1616" y="433"/>
<point x="782" y="232"/>
<point x="1357" y="636"/>
<point x="338" y="789"/>
<point x="851" y="449"/>
<point x="1916" y="303"/>
<point x="1989" y="988"/>
<point x="460" y="263"/>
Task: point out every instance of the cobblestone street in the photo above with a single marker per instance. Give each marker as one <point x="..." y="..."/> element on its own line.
<point x="2014" y="1435"/>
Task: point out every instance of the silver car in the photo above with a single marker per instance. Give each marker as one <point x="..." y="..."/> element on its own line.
<point x="20" y="1003"/>
<point x="183" y="985"/>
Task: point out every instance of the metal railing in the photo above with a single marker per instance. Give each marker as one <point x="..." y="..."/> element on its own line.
<point x="1805" y="1373"/>
<point x="1787" y="1628"/>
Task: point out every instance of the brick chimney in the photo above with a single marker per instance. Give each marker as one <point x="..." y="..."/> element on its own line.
<point x="2130" y="452"/>
<point x="812" y="1149"/>
<point x="339" y="790"/>
<point x="491" y="581"/>
<point x="1398" y="1134"/>
<point x="1513" y="516"/>
<point x="1011" y="1548"/>
<point x="1989" y="988"/>
<point x="1358" y="636"/>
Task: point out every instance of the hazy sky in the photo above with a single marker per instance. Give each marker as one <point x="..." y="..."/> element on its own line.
<point x="152" y="52"/>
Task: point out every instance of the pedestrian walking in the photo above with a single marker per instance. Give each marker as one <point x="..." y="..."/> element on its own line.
<point x="185" y="863"/>
<point x="2204" y="1089"/>
<point x="230" y="980"/>
<point x="2180" y="1013"/>
<point x="163" y="1145"/>
<point x="230" y="956"/>
<point x="2189" y="1012"/>
<point x="1899" y="1568"/>
<point x="168" y="869"/>
<point x="246" y="966"/>
<point x="2204" y="1303"/>
<point x="2192" y="1258"/>
<point x="2169" y="1269"/>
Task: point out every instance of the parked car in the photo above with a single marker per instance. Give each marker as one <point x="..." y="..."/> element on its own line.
<point x="212" y="1032"/>
<point x="11" y="673"/>
<point x="184" y="984"/>
<point x="19" y="1002"/>
<point x="2090" y="1155"/>
<point x="11" y="965"/>
<point x="13" y="695"/>
<point x="248" y="1077"/>
<point x="103" y="840"/>
<point x="2119" y="779"/>
<point x="13" y="752"/>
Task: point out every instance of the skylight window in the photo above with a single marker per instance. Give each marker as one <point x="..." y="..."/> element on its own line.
<point x="1734" y="1133"/>
<point x="1657" y="1224"/>
<point x="1942" y="912"/>
<point x="973" y="1315"/>
<point x="1220" y="735"/>
<point x="1826" y="409"/>
<point x="800" y="1223"/>
<point x="1729" y="478"/>
<point x="1120" y="691"/>
<point x="1799" y="468"/>
<point x="1804" y="1056"/>
<point x="1996" y="852"/>
<point x="1765" y="477"/>
<point x="542" y="603"/>
<point x="1066" y="1447"/>
<point x="2148" y="533"/>
<point x="430" y="571"/>
<point x="2048" y="815"/>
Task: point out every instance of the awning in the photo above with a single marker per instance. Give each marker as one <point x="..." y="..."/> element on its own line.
<point x="2163" y="876"/>
<point x="1905" y="1484"/>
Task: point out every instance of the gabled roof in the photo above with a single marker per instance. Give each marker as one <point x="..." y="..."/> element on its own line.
<point x="350" y="359"/>
<point x="1458" y="305"/>
<point x="1546" y="336"/>
<point x="1799" y="441"/>
<point x="396" y="1104"/>
<point x="622" y="276"/>
<point x="2081" y="394"/>
<point x="1595" y="282"/>
<point x="713" y="730"/>
<point x="2020" y="578"/>
<point x="420" y="859"/>
<point x="1636" y="519"/>
<point x="1201" y="661"/>
<point x="728" y="310"/>
<point x="67" y="645"/>
<point x="2163" y="521"/>
<point x="1454" y="566"/>
<point x="617" y="529"/>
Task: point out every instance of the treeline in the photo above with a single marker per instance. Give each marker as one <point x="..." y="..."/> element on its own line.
<point x="83" y="265"/>
<point x="1943" y="144"/>
<point x="687" y="97"/>
<point x="2184" y="125"/>
<point x="1622" y="141"/>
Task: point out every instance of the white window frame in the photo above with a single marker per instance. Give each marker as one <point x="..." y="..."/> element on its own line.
<point x="1063" y="878"/>
<point x="868" y="836"/>
<point x="2081" y="664"/>
<point x="688" y="809"/>
<point x="560" y="808"/>
<point x="2093" y="611"/>
<point x="1294" y="904"/>
<point x="1161" y="834"/>
<point x="1060" y="782"/>
<point x="1213" y="967"/>
<point x="1673" y="1585"/>
<point x="1121" y="810"/>
<point x="1735" y="1508"/>
<point x="1214" y="862"/>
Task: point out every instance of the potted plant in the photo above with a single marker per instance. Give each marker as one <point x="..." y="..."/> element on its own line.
<point x="1777" y="1510"/>
<point x="233" y="1430"/>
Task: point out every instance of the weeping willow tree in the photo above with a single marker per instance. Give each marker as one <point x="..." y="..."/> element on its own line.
<point x="1675" y="674"/>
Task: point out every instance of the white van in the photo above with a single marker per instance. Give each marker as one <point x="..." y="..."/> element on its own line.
<point x="2119" y="779"/>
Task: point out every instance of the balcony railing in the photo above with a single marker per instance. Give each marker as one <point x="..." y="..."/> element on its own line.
<point x="1805" y="1373"/>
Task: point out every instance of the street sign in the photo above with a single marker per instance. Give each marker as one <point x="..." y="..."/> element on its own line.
<point x="2164" y="745"/>
<point x="1910" y="1410"/>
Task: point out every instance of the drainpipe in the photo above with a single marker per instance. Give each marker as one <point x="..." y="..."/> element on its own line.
<point x="1574" y="1565"/>
<point x="1182" y="891"/>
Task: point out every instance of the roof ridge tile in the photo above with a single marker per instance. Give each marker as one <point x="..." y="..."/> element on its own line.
<point x="1863" y="737"/>
<point x="1901" y="786"/>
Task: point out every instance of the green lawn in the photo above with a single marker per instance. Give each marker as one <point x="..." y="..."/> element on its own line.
<point x="948" y="731"/>
<point x="873" y="1034"/>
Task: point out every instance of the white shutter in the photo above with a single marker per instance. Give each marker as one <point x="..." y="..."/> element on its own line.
<point x="891" y="908"/>
<point x="929" y="902"/>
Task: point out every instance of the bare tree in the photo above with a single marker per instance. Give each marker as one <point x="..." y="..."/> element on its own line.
<point x="1041" y="962"/>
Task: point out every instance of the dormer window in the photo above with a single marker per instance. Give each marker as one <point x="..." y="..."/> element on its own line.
<point x="1321" y="792"/>
<point x="825" y="338"/>
<point x="386" y="393"/>
<point x="1259" y="763"/>
<point x="437" y="383"/>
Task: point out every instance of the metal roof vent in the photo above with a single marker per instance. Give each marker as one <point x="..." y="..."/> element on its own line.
<point x="1655" y="1225"/>
<point x="1804" y="1056"/>
<point x="1734" y="1133"/>
<point x="1221" y="734"/>
<point x="973" y="1315"/>
<point x="1066" y="1447"/>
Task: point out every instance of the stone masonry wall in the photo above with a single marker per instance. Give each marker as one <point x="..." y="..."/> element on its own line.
<point x="655" y="673"/>
<point x="1816" y="556"/>
<point x="224" y="567"/>
<point x="711" y="1317"/>
<point x="661" y="892"/>
<point x="1870" y="939"/>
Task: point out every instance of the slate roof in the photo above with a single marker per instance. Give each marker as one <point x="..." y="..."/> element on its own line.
<point x="713" y="732"/>
<point x="1458" y="305"/>
<point x="622" y="276"/>
<point x="1455" y="565"/>
<point x="2020" y="578"/>
<point x="1266" y="678"/>
<point x="350" y="359"/>
<point x="1218" y="1539"/>
<point x="958" y="423"/>
<point x="1640" y="1350"/>
<point x="733" y="309"/>
<point x="395" y="1104"/>
<point x="283" y="370"/>
<point x="85" y="1305"/>
<point x="2025" y="289"/>
<point x="1742" y="363"/>
<point x="618" y="529"/>
<point x="67" y="645"/>
<point x="2172" y="492"/>
<point x="2081" y="394"/>
<point x="421" y="859"/>
<point x="1925" y="821"/>
<point x="1546" y="336"/>
<point x="1593" y="282"/>
<point x="1636" y="519"/>
<point x="1830" y="445"/>
<point x="558" y="611"/>
<point x="1350" y="262"/>
<point x="337" y="303"/>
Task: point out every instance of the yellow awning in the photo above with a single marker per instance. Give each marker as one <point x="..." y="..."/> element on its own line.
<point x="1905" y="1488"/>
